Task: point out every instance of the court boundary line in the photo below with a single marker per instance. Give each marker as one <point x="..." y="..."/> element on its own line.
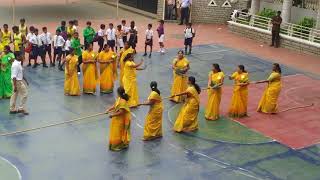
<point x="12" y="165"/>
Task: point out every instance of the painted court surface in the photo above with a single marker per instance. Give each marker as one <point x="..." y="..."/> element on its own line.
<point x="275" y="147"/>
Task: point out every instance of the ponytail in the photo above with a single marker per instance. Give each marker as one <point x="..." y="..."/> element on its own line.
<point x="154" y="87"/>
<point x="192" y="81"/>
<point x="122" y="93"/>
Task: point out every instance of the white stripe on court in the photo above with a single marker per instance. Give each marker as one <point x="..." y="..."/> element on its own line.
<point x="7" y="161"/>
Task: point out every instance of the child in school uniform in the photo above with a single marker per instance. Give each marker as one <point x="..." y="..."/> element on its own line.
<point x="58" y="44"/>
<point x="160" y="31"/>
<point x="65" y="51"/>
<point x="100" y="36"/>
<point x="149" y="40"/>
<point x="33" y="41"/>
<point x="111" y="36"/>
<point x="189" y="34"/>
<point x="41" y="48"/>
<point x="119" y="35"/>
<point x="133" y="38"/>
<point x="125" y="31"/>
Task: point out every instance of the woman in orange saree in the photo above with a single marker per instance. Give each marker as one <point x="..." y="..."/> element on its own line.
<point x="119" y="137"/>
<point x="90" y="74"/>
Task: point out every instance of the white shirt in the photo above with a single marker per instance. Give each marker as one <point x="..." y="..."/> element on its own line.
<point x="46" y="38"/>
<point x="39" y="41"/>
<point x="74" y="27"/>
<point x="111" y="34"/>
<point x="28" y="36"/>
<point x="188" y="33"/>
<point x="33" y="39"/>
<point x="67" y="45"/>
<point x="124" y="29"/>
<point x="186" y="3"/>
<point x="101" y="32"/>
<point x="149" y="34"/>
<point x="58" y="41"/>
<point x="17" y="70"/>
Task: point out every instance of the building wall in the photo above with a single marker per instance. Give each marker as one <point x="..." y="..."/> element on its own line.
<point x="265" y="37"/>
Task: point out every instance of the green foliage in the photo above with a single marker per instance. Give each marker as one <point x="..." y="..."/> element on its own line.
<point x="269" y="13"/>
<point x="305" y="22"/>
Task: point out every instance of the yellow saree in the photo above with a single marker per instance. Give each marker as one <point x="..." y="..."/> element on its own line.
<point x="123" y="54"/>
<point x="120" y="127"/>
<point x="239" y="102"/>
<point x="71" y="83"/>
<point x="106" y="60"/>
<point x="269" y="99"/>
<point x="214" y="97"/>
<point x="153" y="122"/>
<point x="180" y="81"/>
<point x="130" y="83"/>
<point x="90" y="74"/>
<point x="188" y="116"/>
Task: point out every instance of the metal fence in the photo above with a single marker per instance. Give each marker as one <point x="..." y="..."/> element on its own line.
<point x="145" y="5"/>
<point x="289" y="29"/>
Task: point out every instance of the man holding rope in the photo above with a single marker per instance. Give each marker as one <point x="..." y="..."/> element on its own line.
<point x="19" y="87"/>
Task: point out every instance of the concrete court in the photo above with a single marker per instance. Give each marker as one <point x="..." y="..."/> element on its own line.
<point x="220" y="150"/>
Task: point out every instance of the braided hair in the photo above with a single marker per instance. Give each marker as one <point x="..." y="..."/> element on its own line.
<point x="122" y="93"/>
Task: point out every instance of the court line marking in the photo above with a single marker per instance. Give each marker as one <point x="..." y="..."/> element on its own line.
<point x="139" y="125"/>
<point x="214" y="159"/>
<point x="11" y="164"/>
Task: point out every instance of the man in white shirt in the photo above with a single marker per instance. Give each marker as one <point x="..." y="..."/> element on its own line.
<point x="58" y="44"/>
<point x="149" y="40"/>
<point x="19" y="87"/>
<point x="185" y="11"/>
<point x="46" y="39"/>
<point x="111" y="36"/>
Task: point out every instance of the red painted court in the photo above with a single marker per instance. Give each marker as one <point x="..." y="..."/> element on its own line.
<point x="297" y="128"/>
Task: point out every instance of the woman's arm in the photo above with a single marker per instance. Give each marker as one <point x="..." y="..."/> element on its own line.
<point x="117" y="113"/>
<point x="110" y="109"/>
<point x="148" y="102"/>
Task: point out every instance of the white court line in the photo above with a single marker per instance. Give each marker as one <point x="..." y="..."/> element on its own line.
<point x="211" y="158"/>
<point x="19" y="174"/>
<point x="139" y="125"/>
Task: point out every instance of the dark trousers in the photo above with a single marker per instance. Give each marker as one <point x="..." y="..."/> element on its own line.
<point x="100" y="43"/>
<point x="79" y="63"/>
<point x="184" y="15"/>
<point x="275" y="38"/>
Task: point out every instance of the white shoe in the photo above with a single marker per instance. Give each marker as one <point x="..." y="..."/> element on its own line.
<point x="163" y="51"/>
<point x="79" y="73"/>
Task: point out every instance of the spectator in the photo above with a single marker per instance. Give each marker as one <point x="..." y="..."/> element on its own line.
<point x="276" y="22"/>
<point x="169" y="9"/>
<point x="185" y="11"/>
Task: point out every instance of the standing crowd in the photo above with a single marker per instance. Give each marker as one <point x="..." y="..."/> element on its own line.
<point x="117" y="47"/>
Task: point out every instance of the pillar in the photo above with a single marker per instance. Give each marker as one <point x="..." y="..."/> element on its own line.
<point x="286" y="10"/>
<point x="255" y="6"/>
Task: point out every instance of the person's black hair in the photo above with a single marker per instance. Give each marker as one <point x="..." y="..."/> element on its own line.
<point x="89" y="23"/>
<point x="71" y="49"/>
<point x="7" y="48"/>
<point x="123" y="21"/>
<point x="36" y="30"/>
<point x="192" y="81"/>
<point x="31" y="28"/>
<point x="5" y="25"/>
<point x="15" y="28"/>
<point x="181" y="51"/>
<point x="129" y="56"/>
<point x="189" y="24"/>
<point x="132" y="24"/>
<point x="69" y="36"/>
<point x="278" y="68"/>
<point x="242" y="68"/>
<point x="154" y="87"/>
<point x="44" y="28"/>
<point x="63" y="23"/>
<point x="22" y="20"/>
<point x="105" y="46"/>
<point x="122" y="93"/>
<point x="102" y="26"/>
<point x="161" y="21"/>
<point x="58" y="30"/>
<point x="149" y="25"/>
<point x="217" y="67"/>
<point x="110" y="24"/>
<point x="279" y="12"/>
<point x="119" y="26"/>
<point x="70" y="22"/>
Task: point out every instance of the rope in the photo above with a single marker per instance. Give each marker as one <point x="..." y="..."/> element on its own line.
<point x="50" y="125"/>
<point x="297" y="107"/>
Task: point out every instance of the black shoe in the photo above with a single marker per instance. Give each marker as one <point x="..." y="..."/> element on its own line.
<point x="45" y="66"/>
<point x="51" y="65"/>
<point x="35" y="65"/>
<point x="145" y="54"/>
<point x="60" y="68"/>
<point x="149" y="55"/>
<point x="189" y="53"/>
<point x="29" y="65"/>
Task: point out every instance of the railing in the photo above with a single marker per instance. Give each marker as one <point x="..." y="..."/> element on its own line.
<point x="289" y="29"/>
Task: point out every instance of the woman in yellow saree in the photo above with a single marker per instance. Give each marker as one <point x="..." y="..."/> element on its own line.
<point x="215" y="81"/>
<point x="119" y="137"/>
<point x="106" y="59"/>
<point x="187" y="119"/>
<point x="71" y="83"/>
<point x="123" y="54"/>
<point x="130" y="79"/>
<point x="239" y="102"/>
<point x="269" y="99"/>
<point x="89" y="69"/>
<point x="153" y="122"/>
<point x="180" y="68"/>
